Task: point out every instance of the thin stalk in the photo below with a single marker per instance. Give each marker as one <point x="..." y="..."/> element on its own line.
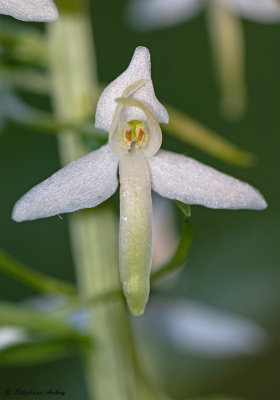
<point x="32" y="278"/>
<point x="110" y="368"/>
<point x="227" y="40"/>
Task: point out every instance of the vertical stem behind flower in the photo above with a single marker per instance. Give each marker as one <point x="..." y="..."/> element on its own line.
<point x="226" y="34"/>
<point x="109" y="365"/>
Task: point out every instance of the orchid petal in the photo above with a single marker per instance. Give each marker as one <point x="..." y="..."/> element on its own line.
<point x="138" y="69"/>
<point x="266" y="11"/>
<point x="182" y="178"/>
<point x="152" y="14"/>
<point x="84" y="183"/>
<point x="30" y="10"/>
<point x="135" y="230"/>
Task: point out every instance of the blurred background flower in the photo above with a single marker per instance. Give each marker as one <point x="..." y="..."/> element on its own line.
<point x="203" y="331"/>
<point x="225" y="31"/>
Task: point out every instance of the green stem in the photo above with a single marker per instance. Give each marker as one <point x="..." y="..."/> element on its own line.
<point x="110" y="368"/>
<point x="227" y="40"/>
<point x="32" y="278"/>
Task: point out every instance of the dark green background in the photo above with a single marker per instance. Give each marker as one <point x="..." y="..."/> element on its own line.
<point x="234" y="262"/>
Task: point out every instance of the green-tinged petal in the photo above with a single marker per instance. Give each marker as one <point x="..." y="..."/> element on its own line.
<point x="205" y="139"/>
<point x="135" y="230"/>
<point x="33" y="279"/>
<point x="226" y="34"/>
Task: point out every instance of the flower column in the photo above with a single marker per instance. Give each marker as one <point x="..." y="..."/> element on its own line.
<point x="110" y="365"/>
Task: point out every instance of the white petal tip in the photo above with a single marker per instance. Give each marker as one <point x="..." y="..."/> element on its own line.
<point x="139" y="69"/>
<point x="20" y="212"/>
<point x="260" y="203"/>
<point x="141" y="53"/>
<point x="16" y="215"/>
<point x="53" y="16"/>
<point x="32" y="10"/>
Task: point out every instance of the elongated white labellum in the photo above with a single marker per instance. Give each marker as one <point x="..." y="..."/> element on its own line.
<point x="135" y="229"/>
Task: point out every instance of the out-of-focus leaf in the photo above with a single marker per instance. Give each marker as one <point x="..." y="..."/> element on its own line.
<point x="33" y="279"/>
<point x="37" y="352"/>
<point x="185" y="208"/>
<point x="25" y="79"/>
<point x="12" y="107"/>
<point x="180" y="253"/>
<point x="205" y="139"/>
<point x="23" y="45"/>
<point x="45" y="123"/>
<point x="218" y="397"/>
<point x="14" y="29"/>
<point x="35" y="321"/>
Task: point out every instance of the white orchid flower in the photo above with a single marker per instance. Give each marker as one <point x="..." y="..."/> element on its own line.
<point x="30" y="10"/>
<point x="225" y="31"/>
<point x="130" y="112"/>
